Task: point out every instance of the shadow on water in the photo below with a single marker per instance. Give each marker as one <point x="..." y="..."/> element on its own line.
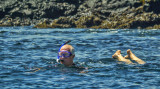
<point x="28" y="58"/>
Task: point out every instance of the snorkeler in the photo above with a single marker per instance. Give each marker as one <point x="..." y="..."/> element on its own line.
<point x="66" y="54"/>
<point x="129" y="55"/>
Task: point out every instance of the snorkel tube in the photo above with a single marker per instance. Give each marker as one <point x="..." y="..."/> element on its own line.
<point x="58" y="58"/>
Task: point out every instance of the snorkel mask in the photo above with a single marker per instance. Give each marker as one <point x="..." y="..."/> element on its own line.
<point x="63" y="53"/>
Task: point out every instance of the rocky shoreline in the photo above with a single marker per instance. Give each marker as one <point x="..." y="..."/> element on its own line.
<point x="98" y="14"/>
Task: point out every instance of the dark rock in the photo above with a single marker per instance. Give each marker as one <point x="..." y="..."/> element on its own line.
<point x="152" y="6"/>
<point x="2" y="13"/>
<point x="137" y="4"/>
<point x="17" y="14"/>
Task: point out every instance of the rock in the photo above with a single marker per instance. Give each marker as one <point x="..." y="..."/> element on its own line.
<point x="27" y="12"/>
<point x="17" y="14"/>
<point x="63" y="22"/>
<point x="152" y="6"/>
<point x="81" y="13"/>
<point x="2" y="13"/>
<point x="88" y="21"/>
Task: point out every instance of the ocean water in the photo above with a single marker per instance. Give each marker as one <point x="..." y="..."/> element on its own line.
<point x="28" y="58"/>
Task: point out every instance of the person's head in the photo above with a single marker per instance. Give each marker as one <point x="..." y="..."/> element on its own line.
<point x="66" y="55"/>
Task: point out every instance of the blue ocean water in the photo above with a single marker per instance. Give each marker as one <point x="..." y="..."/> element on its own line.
<point x="28" y="58"/>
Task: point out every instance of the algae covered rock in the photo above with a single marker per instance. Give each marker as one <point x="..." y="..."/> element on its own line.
<point x="63" y="22"/>
<point x="88" y="21"/>
<point x="42" y="25"/>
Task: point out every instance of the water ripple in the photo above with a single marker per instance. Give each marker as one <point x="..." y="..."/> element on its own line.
<point x="28" y="58"/>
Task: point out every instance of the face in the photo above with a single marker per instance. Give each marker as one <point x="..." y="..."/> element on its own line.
<point x="66" y="57"/>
